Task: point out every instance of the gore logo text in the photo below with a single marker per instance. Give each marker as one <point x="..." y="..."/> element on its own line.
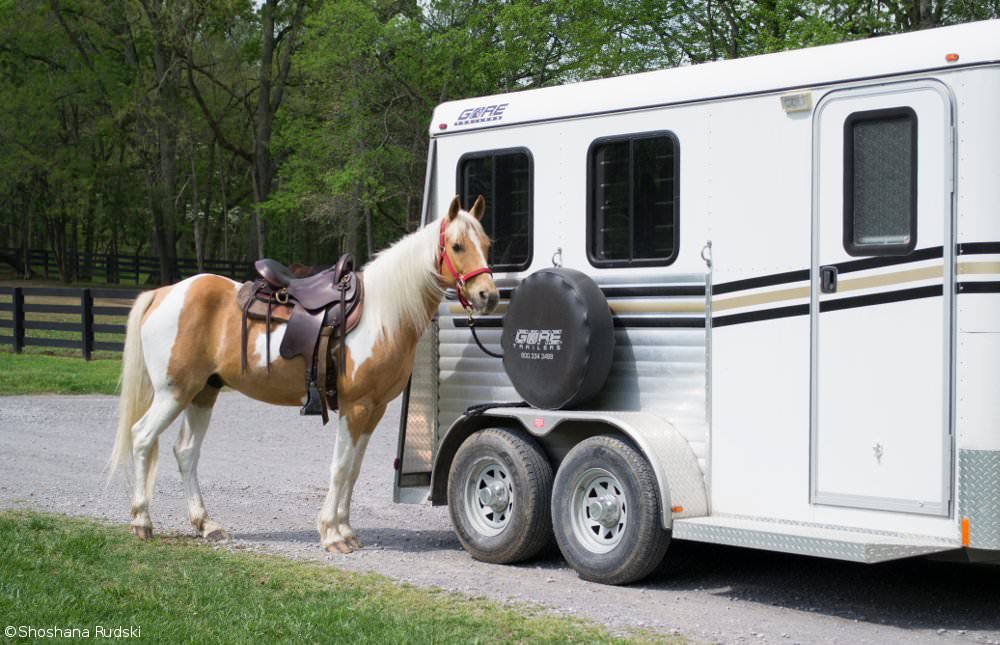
<point x="538" y="339"/>
<point x="482" y="114"/>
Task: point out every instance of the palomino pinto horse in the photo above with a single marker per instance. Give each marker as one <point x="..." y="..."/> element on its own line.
<point x="184" y="342"/>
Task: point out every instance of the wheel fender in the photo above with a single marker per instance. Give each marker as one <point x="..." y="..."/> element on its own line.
<point x="679" y="476"/>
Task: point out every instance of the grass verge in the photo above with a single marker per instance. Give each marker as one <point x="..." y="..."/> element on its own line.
<point x="40" y="374"/>
<point x="67" y="572"/>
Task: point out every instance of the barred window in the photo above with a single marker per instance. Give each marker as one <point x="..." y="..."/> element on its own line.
<point x="503" y="178"/>
<point x="633" y="200"/>
<point x="880" y="182"/>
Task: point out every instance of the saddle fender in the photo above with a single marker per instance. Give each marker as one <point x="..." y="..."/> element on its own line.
<point x="679" y="476"/>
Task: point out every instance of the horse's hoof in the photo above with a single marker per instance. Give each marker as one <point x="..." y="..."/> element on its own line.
<point x="339" y="547"/>
<point x="354" y="542"/>
<point x="142" y="532"/>
<point x="218" y="535"/>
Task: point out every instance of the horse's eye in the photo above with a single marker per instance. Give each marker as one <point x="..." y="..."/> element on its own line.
<point x="457" y="248"/>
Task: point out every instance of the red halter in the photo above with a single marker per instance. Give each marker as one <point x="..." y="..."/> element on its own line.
<point x="444" y="262"/>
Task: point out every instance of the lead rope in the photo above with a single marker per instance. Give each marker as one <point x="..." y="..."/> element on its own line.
<point x="472" y="327"/>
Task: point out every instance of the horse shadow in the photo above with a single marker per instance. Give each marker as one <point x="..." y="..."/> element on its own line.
<point x="374" y="538"/>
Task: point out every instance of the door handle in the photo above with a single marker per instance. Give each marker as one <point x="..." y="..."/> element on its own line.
<point x="828" y="279"/>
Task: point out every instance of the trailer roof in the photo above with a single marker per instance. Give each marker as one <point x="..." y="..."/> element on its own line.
<point x="975" y="43"/>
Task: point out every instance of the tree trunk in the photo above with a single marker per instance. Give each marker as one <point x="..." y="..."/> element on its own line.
<point x="369" y="235"/>
<point x="165" y="115"/>
<point x="211" y="239"/>
<point x="24" y="243"/>
<point x="196" y="225"/>
<point x="223" y="178"/>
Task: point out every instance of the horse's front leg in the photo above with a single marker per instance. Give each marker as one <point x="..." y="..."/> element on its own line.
<point x="355" y="426"/>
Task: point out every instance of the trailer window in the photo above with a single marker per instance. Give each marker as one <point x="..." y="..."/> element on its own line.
<point x="503" y="177"/>
<point x="880" y="182"/>
<point x="633" y="183"/>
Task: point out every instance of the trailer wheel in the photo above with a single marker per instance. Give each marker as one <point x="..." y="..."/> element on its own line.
<point x="606" y="512"/>
<point x="499" y="488"/>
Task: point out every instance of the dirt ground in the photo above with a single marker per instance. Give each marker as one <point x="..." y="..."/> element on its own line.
<point x="264" y="473"/>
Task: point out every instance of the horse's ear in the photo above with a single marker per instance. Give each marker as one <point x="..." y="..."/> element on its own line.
<point x="478" y="208"/>
<point x="453" y="209"/>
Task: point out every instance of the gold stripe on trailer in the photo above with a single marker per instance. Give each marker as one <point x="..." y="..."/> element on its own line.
<point x="978" y="268"/>
<point x="767" y="297"/>
<point x="619" y="307"/>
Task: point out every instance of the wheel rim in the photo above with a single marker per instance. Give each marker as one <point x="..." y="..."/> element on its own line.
<point x="489" y="497"/>
<point x="599" y="510"/>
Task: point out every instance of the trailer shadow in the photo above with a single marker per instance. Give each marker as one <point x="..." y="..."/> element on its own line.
<point x="914" y="593"/>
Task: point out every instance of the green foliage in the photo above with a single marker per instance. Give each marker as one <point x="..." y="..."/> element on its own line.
<point x="66" y="572"/>
<point x="168" y="126"/>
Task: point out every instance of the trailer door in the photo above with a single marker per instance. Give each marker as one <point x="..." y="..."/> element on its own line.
<point x="881" y="301"/>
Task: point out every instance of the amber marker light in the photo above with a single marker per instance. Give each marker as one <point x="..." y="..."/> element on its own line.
<point x="951" y="58"/>
<point x="677" y="509"/>
<point x="965" y="531"/>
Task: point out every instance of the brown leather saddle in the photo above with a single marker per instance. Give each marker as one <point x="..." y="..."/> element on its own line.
<point x="318" y="311"/>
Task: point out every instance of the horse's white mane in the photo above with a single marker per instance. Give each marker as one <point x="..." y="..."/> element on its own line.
<point x="403" y="280"/>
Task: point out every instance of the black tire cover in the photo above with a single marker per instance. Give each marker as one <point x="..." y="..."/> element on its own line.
<point x="558" y="339"/>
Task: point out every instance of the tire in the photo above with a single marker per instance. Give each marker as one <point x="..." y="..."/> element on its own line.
<point x="606" y="511"/>
<point x="517" y="525"/>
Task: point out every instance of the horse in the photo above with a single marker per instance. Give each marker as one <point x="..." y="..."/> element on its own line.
<point x="183" y="343"/>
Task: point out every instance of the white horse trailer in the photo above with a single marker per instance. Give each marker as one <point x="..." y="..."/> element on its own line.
<point x="801" y="255"/>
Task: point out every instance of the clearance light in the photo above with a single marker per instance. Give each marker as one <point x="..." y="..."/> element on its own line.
<point x="442" y="126"/>
<point x="799" y="102"/>
<point x="951" y="58"/>
<point x="677" y="509"/>
<point x="965" y="531"/>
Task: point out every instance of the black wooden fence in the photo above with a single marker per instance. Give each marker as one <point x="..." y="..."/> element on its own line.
<point x="116" y="269"/>
<point x="21" y="303"/>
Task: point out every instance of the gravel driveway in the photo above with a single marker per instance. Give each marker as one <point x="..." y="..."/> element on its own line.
<point x="264" y="472"/>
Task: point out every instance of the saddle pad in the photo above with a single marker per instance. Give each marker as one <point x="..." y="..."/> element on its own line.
<point x="258" y="308"/>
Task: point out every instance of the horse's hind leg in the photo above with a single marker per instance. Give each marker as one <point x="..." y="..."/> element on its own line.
<point x="187" y="450"/>
<point x="145" y="442"/>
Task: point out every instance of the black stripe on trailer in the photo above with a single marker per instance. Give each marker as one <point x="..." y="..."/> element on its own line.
<point x="620" y="322"/>
<point x="883" y="298"/>
<point x="979" y="287"/>
<point x="763" y="314"/>
<point x="660" y="291"/>
<point x="769" y="280"/>
<point x="979" y="248"/>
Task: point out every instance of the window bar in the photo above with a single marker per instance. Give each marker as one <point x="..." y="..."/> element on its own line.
<point x="493" y="197"/>
<point x="631" y="201"/>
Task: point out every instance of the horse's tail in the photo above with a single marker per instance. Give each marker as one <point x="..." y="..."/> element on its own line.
<point x="136" y="390"/>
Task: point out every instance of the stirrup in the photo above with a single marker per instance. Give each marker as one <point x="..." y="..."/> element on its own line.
<point x="314" y="402"/>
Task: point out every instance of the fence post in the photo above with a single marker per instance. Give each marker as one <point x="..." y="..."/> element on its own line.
<point x="45" y="260"/>
<point x="135" y="263"/>
<point x="87" y="313"/>
<point x="18" y="320"/>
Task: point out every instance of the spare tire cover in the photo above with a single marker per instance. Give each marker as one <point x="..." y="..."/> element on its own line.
<point x="558" y="338"/>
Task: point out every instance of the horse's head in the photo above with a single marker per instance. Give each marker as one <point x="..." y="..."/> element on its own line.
<point x="462" y="252"/>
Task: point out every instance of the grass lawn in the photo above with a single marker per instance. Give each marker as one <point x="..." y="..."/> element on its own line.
<point x="39" y="373"/>
<point x="66" y="572"/>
